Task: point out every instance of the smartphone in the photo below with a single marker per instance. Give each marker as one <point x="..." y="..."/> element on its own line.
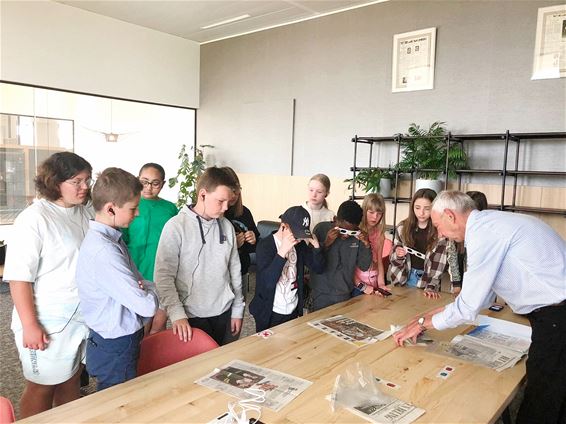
<point x="383" y="291"/>
<point x="495" y="307"/>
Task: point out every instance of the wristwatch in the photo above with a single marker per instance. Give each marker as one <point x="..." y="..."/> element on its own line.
<point x="421" y="321"/>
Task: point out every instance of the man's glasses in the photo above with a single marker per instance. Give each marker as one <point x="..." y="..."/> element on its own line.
<point x="153" y="183"/>
<point x="78" y="183"/>
<point x="344" y="231"/>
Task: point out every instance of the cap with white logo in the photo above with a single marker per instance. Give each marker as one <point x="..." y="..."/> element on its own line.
<point x="299" y="220"/>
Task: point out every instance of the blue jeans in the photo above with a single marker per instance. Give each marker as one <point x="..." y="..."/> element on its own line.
<point x="112" y="361"/>
<point x="414" y="277"/>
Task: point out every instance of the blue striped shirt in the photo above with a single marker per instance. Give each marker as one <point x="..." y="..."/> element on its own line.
<point x="112" y="303"/>
<point x="515" y="256"/>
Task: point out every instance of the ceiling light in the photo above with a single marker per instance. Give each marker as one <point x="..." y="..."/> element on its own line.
<point x="226" y="21"/>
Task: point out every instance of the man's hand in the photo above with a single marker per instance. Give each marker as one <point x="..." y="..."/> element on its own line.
<point x="35" y="337"/>
<point x="456" y="291"/>
<point x="411" y="331"/>
<point x="183" y="329"/>
<point x="235" y="325"/>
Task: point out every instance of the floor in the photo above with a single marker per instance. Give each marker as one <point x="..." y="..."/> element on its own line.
<point x="11" y="379"/>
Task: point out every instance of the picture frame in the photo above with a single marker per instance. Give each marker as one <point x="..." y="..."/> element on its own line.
<point x="414" y="60"/>
<point x="550" y="43"/>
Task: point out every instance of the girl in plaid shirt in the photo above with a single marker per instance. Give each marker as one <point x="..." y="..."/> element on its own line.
<point x="418" y="233"/>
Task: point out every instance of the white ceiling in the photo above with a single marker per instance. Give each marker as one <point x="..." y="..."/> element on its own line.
<point x="185" y="18"/>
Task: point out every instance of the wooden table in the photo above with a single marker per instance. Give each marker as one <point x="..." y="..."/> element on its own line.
<point x="472" y="394"/>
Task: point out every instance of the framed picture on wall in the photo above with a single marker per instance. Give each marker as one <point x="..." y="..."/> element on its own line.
<point x="550" y="43"/>
<point x="413" y="60"/>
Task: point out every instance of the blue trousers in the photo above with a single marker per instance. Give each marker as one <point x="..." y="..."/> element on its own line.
<point x="112" y="361"/>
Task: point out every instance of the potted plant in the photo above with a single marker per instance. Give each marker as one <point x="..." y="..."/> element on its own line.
<point x="424" y="153"/>
<point x="374" y="180"/>
<point x="188" y="173"/>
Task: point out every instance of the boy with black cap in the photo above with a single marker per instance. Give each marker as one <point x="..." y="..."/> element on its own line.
<point x="280" y="259"/>
<point x="345" y="247"/>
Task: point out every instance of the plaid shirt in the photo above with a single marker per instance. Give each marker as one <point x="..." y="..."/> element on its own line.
<point x="434" y="264"/>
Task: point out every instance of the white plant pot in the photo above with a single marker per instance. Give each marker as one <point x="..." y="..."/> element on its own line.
<point x="385" y="187"/>
<point x="435" y="185"/>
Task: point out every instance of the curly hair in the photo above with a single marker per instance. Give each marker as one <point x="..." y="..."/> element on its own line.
<point x="54" y="170"/>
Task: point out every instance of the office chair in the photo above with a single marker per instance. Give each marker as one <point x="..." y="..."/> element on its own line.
<point x="164" y="348"/>
<point x="6" y="411"/>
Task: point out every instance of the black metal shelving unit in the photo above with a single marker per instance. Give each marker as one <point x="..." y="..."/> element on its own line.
<point x="506" y="172"/>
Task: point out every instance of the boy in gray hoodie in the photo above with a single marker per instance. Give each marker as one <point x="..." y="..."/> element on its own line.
<point x="197" y="267"/>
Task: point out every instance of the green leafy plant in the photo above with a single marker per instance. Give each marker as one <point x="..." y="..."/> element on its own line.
<point x="424" y="151"/>
<point x="369" y="179"/>
<point x="188" y="173"/>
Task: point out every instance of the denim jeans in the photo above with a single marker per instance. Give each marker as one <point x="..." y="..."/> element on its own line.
<point x="112" y="361"/>
<point x="414" y="277"/>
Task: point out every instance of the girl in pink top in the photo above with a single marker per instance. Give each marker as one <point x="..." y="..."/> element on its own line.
<point x="373" y="224"/>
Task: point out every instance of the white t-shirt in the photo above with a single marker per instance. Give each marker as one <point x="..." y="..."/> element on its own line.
<point x="286" y="297"/>
<point x="318" y="215"/>
<point x="43" y="249"/>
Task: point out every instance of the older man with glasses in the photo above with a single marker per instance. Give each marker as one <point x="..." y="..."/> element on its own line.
<point x="522" y="260"/>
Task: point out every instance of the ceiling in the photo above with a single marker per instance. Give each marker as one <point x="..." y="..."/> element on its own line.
<point x="186" y="18"/>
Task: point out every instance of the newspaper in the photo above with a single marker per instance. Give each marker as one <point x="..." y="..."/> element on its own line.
<point x="350" y="330"/>
<point x="395" y="411"/>
<point x="237" y="376"/>
<point x="495" y="343"/>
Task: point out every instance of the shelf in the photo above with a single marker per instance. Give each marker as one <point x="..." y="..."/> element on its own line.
<point x="534" y="210"/>
<point x="389" y="199"/>
<point x="541" y="173"/>
<point x="479" y="171"/>
<point x="505" y="138"/>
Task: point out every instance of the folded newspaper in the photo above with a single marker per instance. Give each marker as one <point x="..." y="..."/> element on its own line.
<point x="237" y="376"/>
<point x="495" y="343"/>
<point x="350" y="330"/>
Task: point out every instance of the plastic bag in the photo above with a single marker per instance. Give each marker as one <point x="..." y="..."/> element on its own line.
<point x="355" y="388"/>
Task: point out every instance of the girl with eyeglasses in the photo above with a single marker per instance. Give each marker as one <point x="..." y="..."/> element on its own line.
<point x="49" y="331"/>
<point x="373" y="225"/>
<point x="142" y="237"/>
<point x="419" y="257"/>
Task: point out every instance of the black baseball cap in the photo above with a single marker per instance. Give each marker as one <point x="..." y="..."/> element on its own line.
<point x="299" y="220"/>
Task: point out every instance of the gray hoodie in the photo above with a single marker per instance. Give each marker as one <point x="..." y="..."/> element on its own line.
<point x="196" y="279"/>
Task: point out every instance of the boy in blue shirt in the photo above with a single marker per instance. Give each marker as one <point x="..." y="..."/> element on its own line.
<point x="116" y="302"/>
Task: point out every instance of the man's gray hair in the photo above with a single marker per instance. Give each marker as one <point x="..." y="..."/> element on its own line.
<point x="454" y="200"/>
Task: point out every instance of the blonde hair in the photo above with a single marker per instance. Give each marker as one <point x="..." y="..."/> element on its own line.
<point x="373" y="202"/>
<point x="325" y="181"/>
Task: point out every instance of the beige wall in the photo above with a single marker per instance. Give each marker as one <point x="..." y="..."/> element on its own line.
<point x="268" y="196"/>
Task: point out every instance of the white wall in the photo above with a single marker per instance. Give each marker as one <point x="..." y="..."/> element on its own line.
<point x="54" y="45"/>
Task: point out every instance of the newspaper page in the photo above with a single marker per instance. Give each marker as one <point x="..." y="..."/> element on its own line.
<point x="237" y="376"/>
<point x="495" y="343"/>
<point x="350" y="330"/>
<point x="413" y="60"/>
<point x="550" y="43"/>
<point x="395" y="411"/>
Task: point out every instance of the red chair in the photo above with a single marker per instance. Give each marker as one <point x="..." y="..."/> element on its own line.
<point x="6" y="411"/>
<point x="164" y="348"/>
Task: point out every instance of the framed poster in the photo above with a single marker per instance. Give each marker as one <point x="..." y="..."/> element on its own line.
<point x="550" y="43"/>
<point x="413" y="60"/>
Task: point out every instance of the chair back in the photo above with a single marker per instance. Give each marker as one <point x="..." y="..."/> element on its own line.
<point x="6" y="411"/>
<point x="164" y="348"/>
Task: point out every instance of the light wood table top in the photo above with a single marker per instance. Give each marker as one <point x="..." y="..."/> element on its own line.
<point x="472" y="394"/>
